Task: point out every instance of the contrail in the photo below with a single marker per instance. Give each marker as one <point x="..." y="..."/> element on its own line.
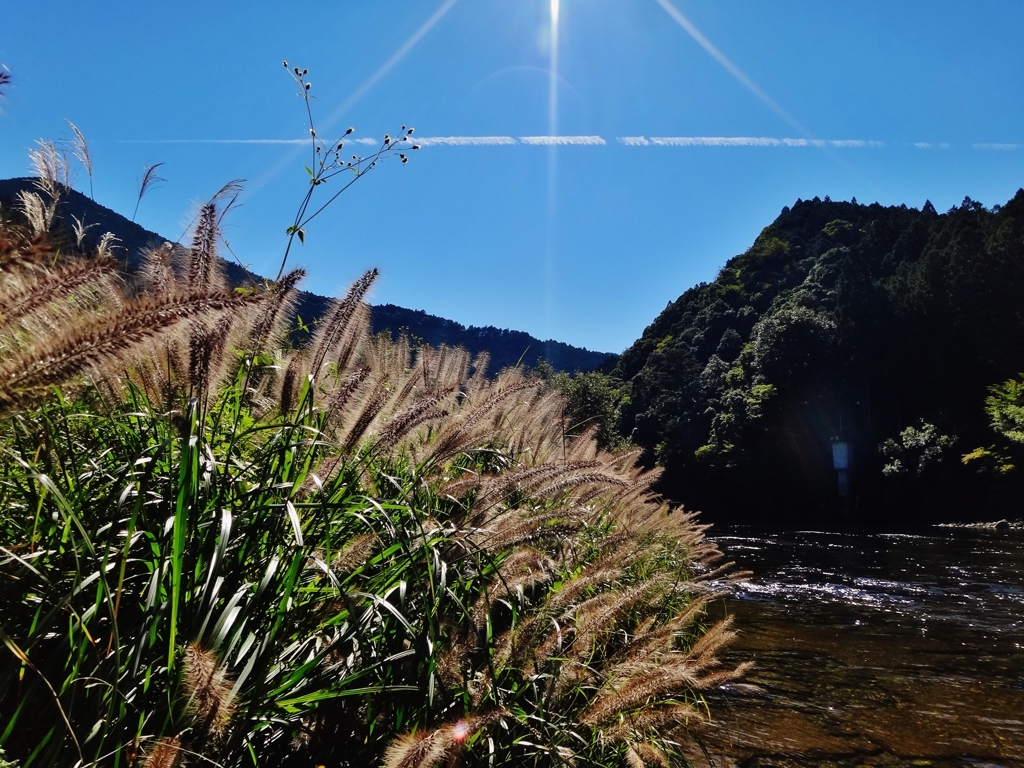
<point x="306" y="141"/>
<point x="596" y="141"/>
<point x="804" y="142"/>
<point x="213" y="141"/>
<point x="731" y="68"/>
<point x="464" y="141"/>
<point x="554" y="141"/>
<point x="742" y="141"/>
<point x="855" y="143"/>
<point x="715" y="141"/>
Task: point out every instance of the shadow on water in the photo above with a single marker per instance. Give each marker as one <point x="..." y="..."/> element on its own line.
<point x="874" y="649"/>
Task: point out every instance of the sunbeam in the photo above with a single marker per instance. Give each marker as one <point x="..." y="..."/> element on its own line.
<point x="553" y="72"/>
<point x="729" y="67"/>
<point x="287" y="160"/>
<point x="363" y="89"/>
<point x="549" y="256"/>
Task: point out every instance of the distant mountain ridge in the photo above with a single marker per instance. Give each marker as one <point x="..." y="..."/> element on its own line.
<point x="506" y="347"/>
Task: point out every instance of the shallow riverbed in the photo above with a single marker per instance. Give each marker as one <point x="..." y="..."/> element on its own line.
<point x="875" y="649"/>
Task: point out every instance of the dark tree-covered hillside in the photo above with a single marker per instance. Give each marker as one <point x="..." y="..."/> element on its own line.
<point x="881" y="327"/>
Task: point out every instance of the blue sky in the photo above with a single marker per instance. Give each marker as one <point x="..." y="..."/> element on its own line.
<point x="686" y="125"/>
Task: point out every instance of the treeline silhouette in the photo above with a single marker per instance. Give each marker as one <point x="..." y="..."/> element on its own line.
<point x="881" y="327"/>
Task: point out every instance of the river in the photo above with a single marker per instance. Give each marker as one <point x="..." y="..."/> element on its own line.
<point x="874" y="649"/>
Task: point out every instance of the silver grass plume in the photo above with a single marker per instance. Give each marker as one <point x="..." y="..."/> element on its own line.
<point x="52" y="169"/>
<point x="20" y="251"/>
<point x="437" y="747"/>
<point x="333" y="328"/>
<point x="79" y="228"/>
<point x="462" y="433"/>
<point x="56" y="285"/>
<point x="99" y="340"/>
<point x="157" y="275"/>
<point x="37" y="211"/>
<point x="279" y="298"/>
<point x="166" y="753"/>
<point x="204" y="272"/>
<point x="149" y="180"/>
<point x="344" y="391"/>
<point x="80" y="151"/>
<point x="292" y="381"/>
<point x="208" y="689"/>
<point x="206" y="354"/>
<point x="108" y="241"/>
<point x="373" y="405"/>
<point x="424" y="410"/>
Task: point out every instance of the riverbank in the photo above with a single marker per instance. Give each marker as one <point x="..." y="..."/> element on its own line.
<point x="875" y="649"/>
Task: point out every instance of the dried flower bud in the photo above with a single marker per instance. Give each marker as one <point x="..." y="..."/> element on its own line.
<point x="312" y="132"/>
<point x="349" y="131"/>
<point x="305" y="71"/>
<point x="307" y="86"/>
<point x="387" y="139"/>
<point x="415" y="146"/>
<point x="405" y="159"/>
<point x="410" y="131"/>
<point x="341" y="144"/>
<point x="285" y="64"/>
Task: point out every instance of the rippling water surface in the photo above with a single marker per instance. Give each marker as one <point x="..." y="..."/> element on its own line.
<point x="875" y="649"/>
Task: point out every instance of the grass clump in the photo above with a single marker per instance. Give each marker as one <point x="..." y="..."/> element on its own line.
<point x="215" y="551"/>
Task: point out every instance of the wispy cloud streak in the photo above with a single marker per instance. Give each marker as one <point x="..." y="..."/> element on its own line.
<point x="804" y="142"/>
<point x="551" y="141"/>
<point x="715" y="141"/>
<point x="464" y="141"/>
<point x="742" y="141"/>
<point x="214" y="141"/>
<point x="596" y="141"/>
<point x="854" y="143"/>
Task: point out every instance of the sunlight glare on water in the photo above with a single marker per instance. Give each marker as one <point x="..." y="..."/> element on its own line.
<point x="876" y="649"/>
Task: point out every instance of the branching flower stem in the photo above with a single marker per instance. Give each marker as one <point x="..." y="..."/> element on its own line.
<point x="326" y="162"/>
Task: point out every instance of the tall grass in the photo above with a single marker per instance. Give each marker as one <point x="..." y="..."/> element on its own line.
<point x="218" y="551"/>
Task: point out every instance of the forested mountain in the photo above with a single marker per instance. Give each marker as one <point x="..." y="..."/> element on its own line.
<point x="506" y="347"/>
<point x="881" y="327"/>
